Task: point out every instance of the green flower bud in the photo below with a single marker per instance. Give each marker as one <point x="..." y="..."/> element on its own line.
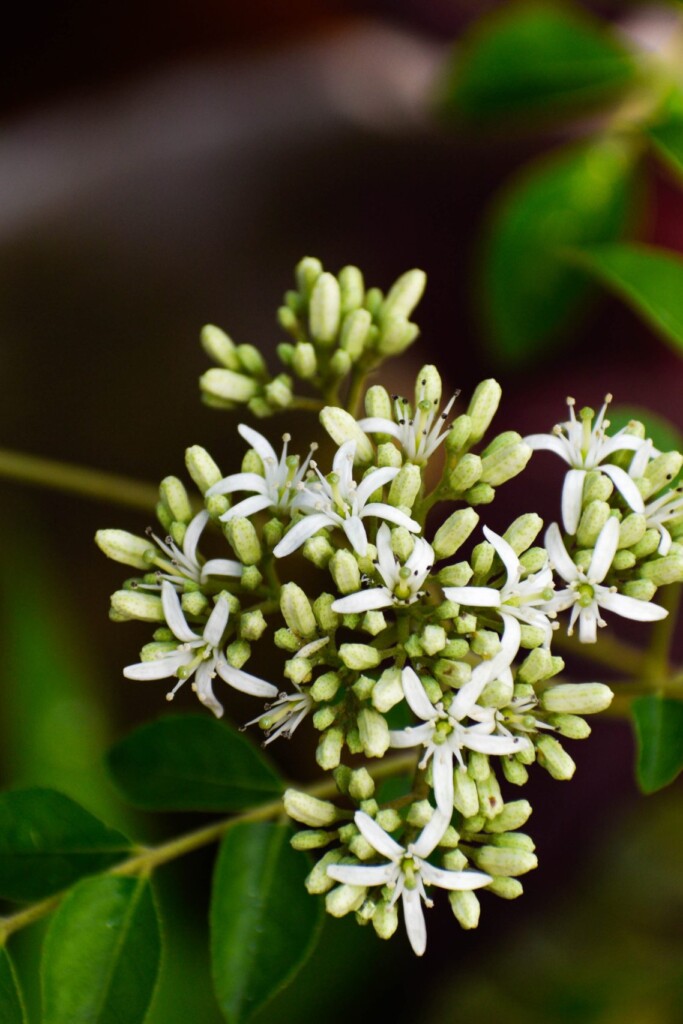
<point x="554" y="758"/>
<point x="297" y="611"/>
<point x="238" y="653"/>
<point x="324" y="309"/>
<point x="482" y="408"/>
<point x="261" y="408"/>
<point x="642" y="590"/>
<point x="373" y="623"/>
<point x="359" y="656"/>
<point x="456" y="649"/>
<point x="228" y="385"/>
<point x="252" y="625"/>
<point x="345" y="572"/>
<point x="251" y="578"/>
<point x="202" y="468"/>
<point x="506" y="888"/>
<point x="164" y="516"/>
<point x="500" y="441"/>
<point x="194" y="603"/>
<point x="459" y="434"/>
<point x="404" y="295"/>
<point x="278" y="392"/>
<point x="285" y="349"/>
<point x="309" y="810"/>
<point x="490" y="796"/>
<point x="286" y="640"/>
<point x="318" y="880"/>
<point x="373" y="300"/>
<point x="663" y="571"/>
<point x="329" y="749"/>
<point x="311" y="839"/>
<point x="479" y="768"/>
<point x="513" y="841"/>
<point x="521" y="534"/>
<point x="388" y="455"/>
<point x="327" y="620"/>
<point x="361" y="784"/>
<point x="378" y="403"/>
<point x="454" y="532"/>
<point x="457" y="575"/>
<point x="465" y="795"/>
<point x="299" y="670"/>
<point x="351" y="288"/>
<point x="405" y="487"/>
<point x="466" y="473"/>
<point x="452" y="673"/>
<point x="124" y="547"/>
<point x="244" y="540"/>
<point x="593" y="518"/>
<point x="454" y="860"/>
<point x="219" y="347"/>
<point x="325" y="687"/>
<point x="340" y="363"/>
<point x="433" y="639"/>
<point x="388" y="690"/>
<point x="597" y="487"/>
<point x="341" y="427"/>
<point x="481" y="494"/>
<point x="482" y="558"/>
<point x="217" y="505"/>
<point x="361" y="848"/>
<point x="514" y="771"/>
<point x="251" y="361"/>
<point x="534" y="559"/>
<point x="153" y="651"/>
<point x="573" y="727"/>
<point x="465" y="907"/>
<point x="466" y="624"/>
<point x="134" y="604"/>
<point x="354" y="333"/>
<point x="318" y="550"/>
<point x="363" y="687"/>
<point x="373" y="731"/>
<point x="323" y="719"/>
<point x="389" y="819"/>
<point x="647" y="545"/>
<point x="505" y="463"/>
<point x="485" y="643"/>
<point x="385" y="919"/>
<point x="304" y="360"/>
<point x="428" y="384"/>
<point x="512" y="816"/>
<point x="174" y="496"/>
<point x="402" y="543"/>
<point x="413" y="647"/>
<point x="343" y="899"/>
<point x="632" y="530"/>
<point x="623" y="560"/>
<point x="577" y="698"/>
<point x="536" y="666"/>
<point x="662" y="470"/>
<point x="500" y="861"/>
<point x="420" y="813"/>
<point x="497" y="693"/>
<point x="396" y="336"/>
<point x="307" y="272"/>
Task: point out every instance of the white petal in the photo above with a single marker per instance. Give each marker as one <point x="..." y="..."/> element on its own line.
<point x="588" y="624"/>
<point x="442" y="774"/>
<point x="496" y="745"/>
<point x="363" y="601"/>
<point x="159" y="668"/>
<point x="631" y="608"/>
<point x="513" y="567"/>
<point x="572" y="493"/>
<point x="626" y="487"/>
<point x="300" y="532"/>
<point x="416" y="695"/>
<point x="414" y="920"/>
<point x="258" y="442"/>
<point x="392" y="515"/>
<point x="469" y="694"/>
<point x="549" y="443"/>
<point x="174" y="614"/>
<point x="666" y="540"/>
<point x="421" y="557"/>
<point x="509" y="642"/>
<point x="248" y="507"/>
<point x="377" y="425"/>
<point x="238" y="482"/>
<point x="413" y="736"/>
<point x="242" y="681"/>
<point x="557" y="553"/>
<point x="342" y="464"/>
<point x="218" y="620"/>
<point x="373" y="481"/>
<point x="362" y="874"/>
<point x="432" y="834"/>
<point x="193" y="533"/>
<point x="204" y="689"/>
<point x="620" y="442"/>
<point x="604" y="551"/>
<point x="454" y="880"/>
<point x="477" y="597"/>
<point x="355" y="531"/>
<point x="221" y="567"/>
<point x="385" y="556"/>
<point x="377" y="837"/>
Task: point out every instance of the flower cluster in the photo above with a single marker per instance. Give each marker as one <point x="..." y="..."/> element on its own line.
<point x="393" y="636"/>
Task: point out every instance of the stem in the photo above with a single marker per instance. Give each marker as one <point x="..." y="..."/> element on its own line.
<point x="355" y="389"/>
<point x="310" y="404"/>
<point x="608" y="651"/>
<point x="144" y="862"/>
<point x="88" y="483"/>
<point x="656" y="666"/>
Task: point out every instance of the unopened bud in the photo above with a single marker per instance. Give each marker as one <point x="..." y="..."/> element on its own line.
<point x="466" y="473"/>
<point x="482" y="408"/>
<point x="428" y="385"/>
<point x="480" y="494"/>
<point x="244" y="540"/>
<point x="318" y="550"/>
<point x="378" y="403"/>
<point x="361" y="784"/>
<point x="304" y="360"/>
<point x="452" y="673"/>
<point x="373" y="731"/>
<point x="329" y="749"/>
<point x="490" y="796"/>
<point x="577" y="698"/>
<point x="194" y="603"/>
<point x="124" y="547"/>
<point x="318" y="880"/>
<point x="404" y="295"/>
<point x="311" y="839"/>
<point x="465" y="795"/>
<point x="495" y="860"/>
<point x="228" y="385"/>
<point x="554" y="758"/>
<point x="385" y="919"/>
<point x="388" y="690"/>
<point x="521" y="534"/>
<point x="296" y="610"/>
<point x="459" y="434"/>
<point x="457" y="575"/>
<point x="454" y="532"/>
<point x="219" y="347"/>
<point x="631" y="530"/>
<point x="134" y="604"/>
<point x="465" y="907"/>
<point x="593" y="518"/>
<point x="662" y="470"/>
<point x="663" y="571"/>
<point x="642" y="590"/>
<point x="278" y="392"/>
<point x="504" y="464"/>
<point x="433" y="639"/>
<point x="389" y="456"/>
<point x="482" y="558"/>
<point x="351" y="288"/>
<point x="175" y="497"/>
<point x="397" y="335"/>
<point x="309" y="810"/>
<point x="251" y="361"/>
<point x="536" y="666"/>
<point x="359" y="656"/>
<point x="340" y="363"/>
<point x="534" y="559"/>
<point x="405" y="486"/>
<point x="573" y="727"/>
<point x="514" y="771"/>
<point x="505" y="888"/>
<point x="252" y="625"/>
<point x="238" y="653"/>
<point x="345" y="572"/>
<point x="307" y="272"/>
<point x="202" y="468"/>
<point x="597" y="487"/>
<point x="341" y="427"/>
<point x="647" y="545"/>
<point x="354" y="333"/>
<point x="344" y="898"/>
<point x="324" y="309"/>
<point x="420" y="813"/>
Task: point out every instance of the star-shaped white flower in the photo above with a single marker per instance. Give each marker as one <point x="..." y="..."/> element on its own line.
<point x="444" y="733"/>
<point x="283" y="716"/>
<point x="179" y="567"/>
<point x="407" y="871"/>
<point x="586" y="593"/>
<point x="663" y="510"/>
<point x="585" y="446"/>
<point x="402" y="583"/>
<point x="278" y="485"/>
<point x="419" y="435"/>
<point x="337" y="500"/>
<point x="518" y="600"/>
<point x="198" y="656"/>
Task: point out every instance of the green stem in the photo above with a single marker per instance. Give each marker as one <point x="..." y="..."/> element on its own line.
<point x="656" y="666"/>
<point x="309" y="404"/>
<point x="88" y="483"/>
<point x="355" y="389"/>
<point x="609" y="651"/>
<point x="142" y="863"/>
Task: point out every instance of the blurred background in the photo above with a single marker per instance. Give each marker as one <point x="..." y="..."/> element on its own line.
<point x="164" y="166"/>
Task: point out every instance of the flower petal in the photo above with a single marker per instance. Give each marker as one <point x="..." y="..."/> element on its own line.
<point x="300" y="532"/>
<point x="159" y="668"/>
<point x="379" y="839"/>
<point x="432" y="834"/>
<point x="513" y="566"/>
<point x="173" y="614"/>
<point x="242" y="681"/>
<point x="548" y="443"/>
<point x="363" y="601"/>
<point x="378" y="425"/>
<point x="221" y="567"/>
<point x="218" y="620"/>
<point x="414" y="920"/>
<point x="204" y="688"/>
<point x="604" y="551"/>
<point x="496" y="745"/>
<point x="238" y="482"/>
<point x="193" y="533"/>
<point x="476" y="597"/>
<point x="413" y="736"/>
<point x="626" y="487"/>
<point x="258" y="442"/>
<point x="248" y="507"/>
<point x="362" y="874"/>
<point x="572" y="493"/>
<point x="416" y="695"/>
<point x="442" y="774"/>
<point x="355" y="531"/>
<point x="454" y="880"/>
<point x="557" y="553"/>
<point x="631" y="608"/>
<point x="373" y="481"/>
<point x="391" y="514"/>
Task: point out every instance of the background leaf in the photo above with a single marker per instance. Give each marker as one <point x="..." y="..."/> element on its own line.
<point x="665" y="435"/>
<point x="581" y="196"/>
<point x="263" y="922"/>
<point x="649" y="279"/>
<point x="534" y="58"/>
<point x="191" y="763"/>
<point x="101" y="954"/>
<point x="47" y="841"/>
<point x="11" y="1001"/>
<point x="659" y="734"/>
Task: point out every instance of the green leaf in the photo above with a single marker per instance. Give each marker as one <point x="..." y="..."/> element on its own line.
<point x="191" y="763"/>
<point x="668" y="142"/>
<point x="263" y="922"/>
<point x="101" y="954"/>
<point x="48" y="841"/>
<point x="534" y="58"/>
<point x="659" y="735"/>
<point x="648" y="279"/>
<point x="664" y="434"/>
<point x="11" y="1001"/>
<point x="580" y="196"/>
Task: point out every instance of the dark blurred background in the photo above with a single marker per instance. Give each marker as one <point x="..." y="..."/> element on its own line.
<point x="162" y="166"/>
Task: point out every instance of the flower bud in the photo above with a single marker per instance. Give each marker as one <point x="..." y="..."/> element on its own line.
<point x="404" y="295"/>
<point x="465" y="795"/>
<point x="662" y="470"/>
<point x="631" y="530"/>
<point x="388" y="690"/>
<point x="490" y="796"/>
<point x="457" y="575"/>
<point x="466" y="473"/>
<point x="420" y="813"/>
<point x="324" y="309"/>
<point x="663" y="571"/>
<point x="323" y="719"/>
<point x="452" y="673"/>
<point x="173" y="494"/>
<point x="244" y="540"/>
<point x="307" y="272"/>
<point x="505" y="463"/>
<point x="238" y="653"/>
<point x="647" y="545"/>
<point x="341" y="427"/>
<point x="373" y="731"/>
<point x="506" y="888"/>
<point x="433" y="639"/>
<point x="642" y="590"/>
<point x="296" y="610"/>
<point x="359" y="656"/>
<point x="554" y="758"/>
<point x="219" y="347"/>
<point x="202" y="468"/>
<point x="252" y="625"/>
<point x="351" y="288"/>
<point x="593" y="518"/>
<point x="318" y="880"/>
<point x="304" y="361"/>
<point x="521" y="534"/>
<point x="428" y="385"/>
<point x="577" y="698"/>
<point x="396" y="336"/>
<point x="385" y="919"/>
<point x="345" y="571"/>
<point x="512" y="816"/>
<point x="361" y="784"/>
<point x="309" y="810"/>
<point x="251" y="361"/>
<point x="485" y="643"/>
<point x="344" y="898"/>
<point x="479" y="768"/>
<point x="299" y="670"/>
<point x="623" y="560"/>
<point x="311" y="839"/>
<point x="278" y="393"/>
<point x="378" y="403"/>
<point x="194" y="603"/>
<point x="134" y="604"/>
<point x="515" y="772"/>
<point x="228" y="385"/>
<point x="354" y="334"/>
<point x="459" y="434"/>
<point x="480" y="494"/>
<point x="496" y="860"/>
<point x="456" y="648"/>
<point x="325" y="687"/>
<point x="373" y="623"/>
<point x="596" y="487"/>
<point x="405" y="486"/>
<point x="482" y="408"/>
<point x="534" y="559"/>
<point x="340" y="363"/>
<point x="465" y="907"/>
<point x="329" y="749"/>
<point x="124" y="547"/>
<point x="454" y="532"/>
<point x="573" y="727"/>
<point x="536" y="666"/>
<point x="482" y="558"/>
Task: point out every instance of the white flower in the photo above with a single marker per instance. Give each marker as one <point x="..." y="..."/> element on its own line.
<point x="337" y="500"/>
<point x="402" y="583"/>
<point x="662" y="510"/>
<point x="443" y="734"/>
<point x="420" y="435"/>
<point x="407" y="871"/>
<point x="517" y="600"/>
<point x="517" y="716"/>
<point x="184" y="566"/>
<point x="278" y="485"/>
<point x="584" y="446"/>
<point x="196" y="655"/>
<point x="586" y="593"/>
<point x="283" y="716"/>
